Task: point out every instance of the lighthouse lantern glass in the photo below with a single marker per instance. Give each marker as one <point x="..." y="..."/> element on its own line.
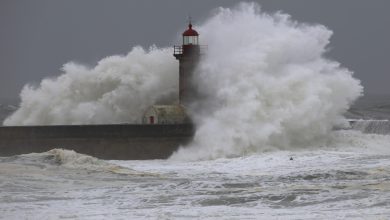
<point x="190" y="40"/>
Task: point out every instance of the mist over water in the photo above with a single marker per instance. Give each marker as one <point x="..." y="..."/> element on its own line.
<point x="265" y="79"/>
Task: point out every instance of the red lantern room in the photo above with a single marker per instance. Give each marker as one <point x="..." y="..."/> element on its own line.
<point x="190" y="36"/>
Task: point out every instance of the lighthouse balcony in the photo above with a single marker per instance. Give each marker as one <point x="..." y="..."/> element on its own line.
<point x="179" y="51"/>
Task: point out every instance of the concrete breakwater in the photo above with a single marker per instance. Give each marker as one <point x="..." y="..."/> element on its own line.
<point x="371" y="126"/>
<point x="115" y="142"/>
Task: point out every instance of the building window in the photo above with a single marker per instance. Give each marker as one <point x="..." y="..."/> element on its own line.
<point x="188" y="40"/>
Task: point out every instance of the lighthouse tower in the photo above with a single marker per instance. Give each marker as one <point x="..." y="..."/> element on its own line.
<point x="188" y="55"/>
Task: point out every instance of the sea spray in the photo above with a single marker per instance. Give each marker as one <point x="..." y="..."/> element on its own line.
<point x="265" y="80"/>
<point x="267" y="85"/>
<point x="117" y="90"/>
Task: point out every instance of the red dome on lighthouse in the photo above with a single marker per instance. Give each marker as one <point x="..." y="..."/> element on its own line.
<point x="190" y="31"/>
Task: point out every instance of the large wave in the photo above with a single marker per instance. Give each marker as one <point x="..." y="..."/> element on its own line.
<point x="117" y="90"/>
<point x="265" y="80"/>
<point x="267" y="85"/>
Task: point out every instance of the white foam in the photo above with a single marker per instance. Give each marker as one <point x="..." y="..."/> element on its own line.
<point x="316" y="183"/>
<point x="360" y="142"/>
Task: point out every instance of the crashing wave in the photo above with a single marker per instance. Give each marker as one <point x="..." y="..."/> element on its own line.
<point x="70" y="159"/>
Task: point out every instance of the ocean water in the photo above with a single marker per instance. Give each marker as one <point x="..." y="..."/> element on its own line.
<point x="350" y="180"/>
<point x="265" y="147"/>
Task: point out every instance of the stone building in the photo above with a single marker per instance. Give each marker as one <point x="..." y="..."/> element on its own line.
<point x="166" y="114"/>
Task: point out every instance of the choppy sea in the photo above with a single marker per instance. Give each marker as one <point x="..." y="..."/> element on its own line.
<point x="347" y="180"/>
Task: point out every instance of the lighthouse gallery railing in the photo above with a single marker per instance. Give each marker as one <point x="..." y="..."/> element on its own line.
<point x="177" y="50"/>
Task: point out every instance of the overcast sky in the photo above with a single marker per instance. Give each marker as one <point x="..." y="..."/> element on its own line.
<point x="38" y="37"/>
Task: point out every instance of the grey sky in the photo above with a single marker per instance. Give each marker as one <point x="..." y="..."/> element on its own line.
<point x="38" y="37"/>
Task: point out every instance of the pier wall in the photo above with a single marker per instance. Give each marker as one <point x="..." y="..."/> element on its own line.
<point x="114" y="142"/>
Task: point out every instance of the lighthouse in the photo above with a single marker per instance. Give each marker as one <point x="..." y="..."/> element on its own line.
<point x="188" y="55"/>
